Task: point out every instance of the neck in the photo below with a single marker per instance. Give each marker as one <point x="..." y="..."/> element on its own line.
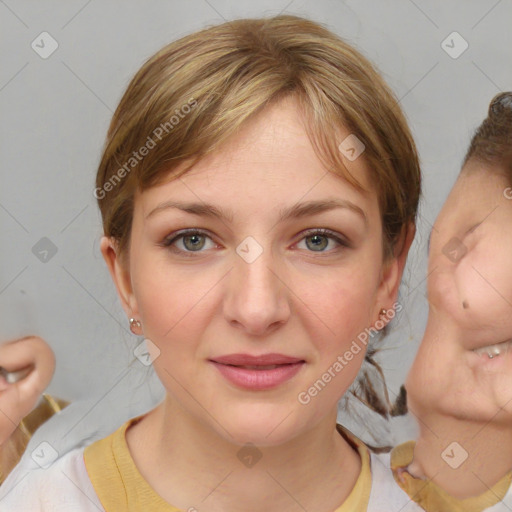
<point x="489" y="454"/>
<point x="189" y="464"/>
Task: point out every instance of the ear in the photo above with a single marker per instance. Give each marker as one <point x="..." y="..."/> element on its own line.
<point x="394" y="268"/>
<point x="120" y="273"/>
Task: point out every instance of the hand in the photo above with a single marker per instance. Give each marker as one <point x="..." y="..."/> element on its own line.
<point x="28" y="366"/>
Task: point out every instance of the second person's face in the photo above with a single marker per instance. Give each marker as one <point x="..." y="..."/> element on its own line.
<point x="464" y="364"/>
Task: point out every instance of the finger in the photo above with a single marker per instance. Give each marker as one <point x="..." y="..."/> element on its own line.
<point x="20" y="355"/>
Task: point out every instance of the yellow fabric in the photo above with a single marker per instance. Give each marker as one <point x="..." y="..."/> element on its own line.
<point x="430" y="496"/>
<point x="358" y="498"/>
<point x="121" y="488"/>
<point x="14" y="447"/>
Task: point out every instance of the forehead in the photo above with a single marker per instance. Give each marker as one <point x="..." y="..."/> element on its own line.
<point x="270" y="160"/>
<point x="481" y="182"/>
<point x="479" y="191"/>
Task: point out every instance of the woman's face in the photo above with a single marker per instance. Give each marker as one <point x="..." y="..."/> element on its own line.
<point x="254" y="277"/>
<point x="464" y="365"/>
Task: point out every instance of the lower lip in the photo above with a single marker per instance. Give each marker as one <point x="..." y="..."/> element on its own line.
<point x="258" y="379"/>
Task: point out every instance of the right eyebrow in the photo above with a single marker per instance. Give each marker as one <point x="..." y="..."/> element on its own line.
<point x="203" y="209"/>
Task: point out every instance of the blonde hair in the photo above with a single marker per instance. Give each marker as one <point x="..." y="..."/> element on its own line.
<point x="228" y="73"/>
<point x="196" y="92"/>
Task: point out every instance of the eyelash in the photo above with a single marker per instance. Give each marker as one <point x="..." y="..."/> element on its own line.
<point x="169" y="241"/>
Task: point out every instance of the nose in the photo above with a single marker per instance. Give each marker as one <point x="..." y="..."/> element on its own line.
<point x="257" y="297"/>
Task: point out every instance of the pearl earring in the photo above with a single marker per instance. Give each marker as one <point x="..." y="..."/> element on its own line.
<point x="135" y="326"/>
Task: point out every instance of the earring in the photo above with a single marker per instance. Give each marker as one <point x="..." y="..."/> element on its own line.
<point x="380" y="324"/>
<point x="135" y="326"/>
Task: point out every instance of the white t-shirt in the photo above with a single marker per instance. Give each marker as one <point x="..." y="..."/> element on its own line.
<point x="65" y="486"/>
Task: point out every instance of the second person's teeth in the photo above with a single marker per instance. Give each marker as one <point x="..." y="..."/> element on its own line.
<point x="493" y="351"/>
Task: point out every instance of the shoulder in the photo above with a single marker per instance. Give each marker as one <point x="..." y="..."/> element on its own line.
<point x="505" y="505"/>
<point x="15" y="446"/>
<point x="61" y="486"/>
<point x="385" y="493"/>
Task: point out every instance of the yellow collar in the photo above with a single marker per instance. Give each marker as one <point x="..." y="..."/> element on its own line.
<point x="120" y="486"/>
<point x="430" y="496"/>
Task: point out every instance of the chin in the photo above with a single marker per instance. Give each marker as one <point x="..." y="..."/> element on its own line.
<point x="259" y="429"/>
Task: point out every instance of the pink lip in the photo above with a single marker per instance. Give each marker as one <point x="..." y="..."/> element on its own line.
<point x="248" y="378"/>
<point x="261" y="360"/>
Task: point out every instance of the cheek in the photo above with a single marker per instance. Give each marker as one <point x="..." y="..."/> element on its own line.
<point x="485" y="283"/>
<point x="333" y="306"/>
<point x="170" y="301"/>
<point x="443" y="290"/>
<point x="475" y="289"/>
<point x="432" y="370"/>
<point x="345" y="308"/>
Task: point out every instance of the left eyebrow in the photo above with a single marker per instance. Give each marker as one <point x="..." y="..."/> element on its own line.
<point x="295" y="211"/>
<point x="315" y="207"/>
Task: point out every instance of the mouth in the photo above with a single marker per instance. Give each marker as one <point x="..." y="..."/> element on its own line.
<point x="257" y="367"/>
<point x="257" y="372"/>
<point x="494" y="351"/>
<point x="263" y="361"/>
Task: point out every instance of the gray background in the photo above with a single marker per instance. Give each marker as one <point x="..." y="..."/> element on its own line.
<point x="55" y="113"/>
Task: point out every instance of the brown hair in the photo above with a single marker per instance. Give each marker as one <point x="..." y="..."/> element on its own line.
<point x="492" y="141"/>
<point x="228" y="73"/>
<point x="201" y="88"/>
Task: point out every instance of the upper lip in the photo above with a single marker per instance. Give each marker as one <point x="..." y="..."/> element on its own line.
<point x="249" y="360"/>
